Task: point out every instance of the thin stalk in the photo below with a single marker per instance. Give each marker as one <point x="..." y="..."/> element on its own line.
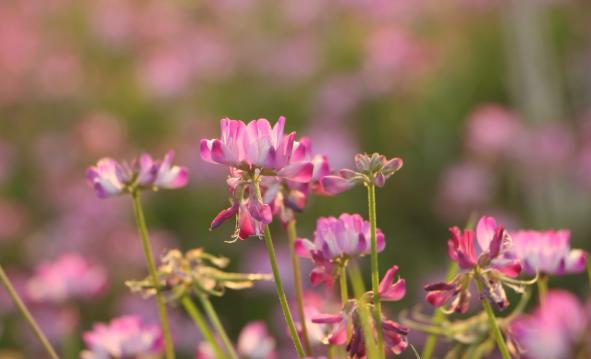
<point x="143" y="229"/>
<point x="297" y="282"/>
<point x="438" y="316"/>
<point x="375" y="270"/>
<point x="27" y="314"/>
<point x="217" y="324"/>
<point x="197" y="317"/>
<point x="344" y="294"/>
<point x="542" y="287"/>
<point x="359" y="290"/>
<point x="279" y="284"/>
<point x="492" y="319"/>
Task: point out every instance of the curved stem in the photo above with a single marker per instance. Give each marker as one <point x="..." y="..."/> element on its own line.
<point x="217" y="324"/>
<point x="297" y="281"/>
<point x="27" y="314"/>
<point x="492" y="319"/>
<point x="279" y="284"/>
<point x="542" y="287"/>
<point x="375" y="275"/>
<point x="359" y="289"/>
<point x="197" y="317"/>
<point x="438" y="316"/>
<point x="143" y="230"/>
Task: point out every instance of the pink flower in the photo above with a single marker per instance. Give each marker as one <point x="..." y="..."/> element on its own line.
<point x="124" y="337"/>
<point x="70" y="277"/>
<point x="334" y="241"/>
<point x="256" y="145"/>
<point x="492" y="259"/>
<point x="548" y="252"/>
<point x="110" y="178"/>
<point x="254" y="342"/>
<point x="555" y="330"/>
<point x="492" y="131"/>
<point x="389" y="290"/>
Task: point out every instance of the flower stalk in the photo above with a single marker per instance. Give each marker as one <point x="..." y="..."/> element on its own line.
<point x="27" y="315"/>
<point x="217" y="324"/>
<point x="278" y="283"/>
<point x="375" y="275"/>
<point x="143" y="230"/>
<point x="297" y="280"/>
<point x="491" y="318"/>
<point x="542" y="287"/>
<point x="197" y="317"/>
<point x="359" y="290"/>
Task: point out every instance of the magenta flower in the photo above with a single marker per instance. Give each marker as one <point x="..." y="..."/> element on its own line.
<point x="110" y="178"/>
<point x="125" y="337"/>
<point x="370" y="169"/>
<point x="395" y="335"/>
<point x="254" y="342"/>
<point x="558" y="329"/>
<point x="70" y="277"/>
<point x="548" y="252"/>
<point x="492" y="259"/>
<point x="335" y="241"/>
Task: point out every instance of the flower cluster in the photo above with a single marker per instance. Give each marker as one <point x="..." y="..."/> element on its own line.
<point x="110" y="178"/>
<point x="125" y="337"/>
<point x="548" y="252"/>
<point x="372" y="169"/>
<point x="195" y="271"/>
<point x="336" y="240"/>
<point x="492" y="262"/>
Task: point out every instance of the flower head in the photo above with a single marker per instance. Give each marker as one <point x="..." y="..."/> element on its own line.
<point x="335" y="241"/>
<point x="491" y="258"/>
<point x="125" y="337"/>
<point x="548" y="252"/>
<point x="196" y="270"/>
<point x="70" y="277"/>
<point x="254" y="342"/>
<point x="110" y="178"/>
<point x="369" y="169"/>
<point x="556" y="330"/>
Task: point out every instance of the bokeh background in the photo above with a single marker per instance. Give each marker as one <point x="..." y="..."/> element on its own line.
<point x="487" y="101"/>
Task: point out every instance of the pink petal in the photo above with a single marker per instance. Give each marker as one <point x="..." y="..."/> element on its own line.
<point x="303" y="247"/>
<point x="223" y="216"/>
<point x="297" y="172"/>
<point x="327" y="318"/>
<point x="395" y="292"/>
<point x="576" y="261"/>
<point x="485" y="231"/>
<point x="334" y="184"/>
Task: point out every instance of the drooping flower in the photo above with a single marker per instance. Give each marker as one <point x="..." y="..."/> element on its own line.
<point x="492" y="259"/>
<point x="254" y="342"/>
<point x="335" y="241"/>
<point x="110" y="178"/>
<point x="394" y="334"/>
<point x="255" y="153"/>
<point x="124" y="337"/>
<point x="70" y="277"/>
<point x="548" y="252"/>
<point x="195" y="271"/>
<point x="369" y="169"/>
<point x="560" y="328"/>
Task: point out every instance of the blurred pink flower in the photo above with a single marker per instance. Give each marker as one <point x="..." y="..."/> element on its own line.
<point x="123" y="337"/>
<point x="165" y="72"/>
<point x="70" y="277"/>
<point x="57" y="322"/>
<point x="335" y="240"/>
<point x="110" y="178"/>
<point x="254" y="342"/>
<point x="555" y="330"/>
<point x="61" y="66"/>
<point x="492" y="131"/>
<point x="493" y="256"/>
<point x="545" y="149"/>
<point x="293" y="59"/>
<point x="100" y="132"/>
<point x="13" y="220"/>
<point x="548" y="252"/>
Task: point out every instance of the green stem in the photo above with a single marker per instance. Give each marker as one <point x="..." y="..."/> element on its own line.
<point x="438" y="316"/>
<point x="375" y="270"/>
<point x="542" y="287"/>
<point x="27" y="314"/>
<point x="344" y="294"/>
<point x="297" y="282"/>
<point x="278" y="283"/>
<point x="197" y="317"/>
<point x="359" y="290"/>
<point x="492" y="319"/>
<point x="143" y="229"/>
<point x="217" y="324"/>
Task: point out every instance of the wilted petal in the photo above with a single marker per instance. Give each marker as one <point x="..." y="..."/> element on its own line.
<point x="223" y="216"/>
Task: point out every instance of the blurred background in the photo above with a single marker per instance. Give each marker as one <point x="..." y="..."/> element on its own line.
<point x="487" y="101"/>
